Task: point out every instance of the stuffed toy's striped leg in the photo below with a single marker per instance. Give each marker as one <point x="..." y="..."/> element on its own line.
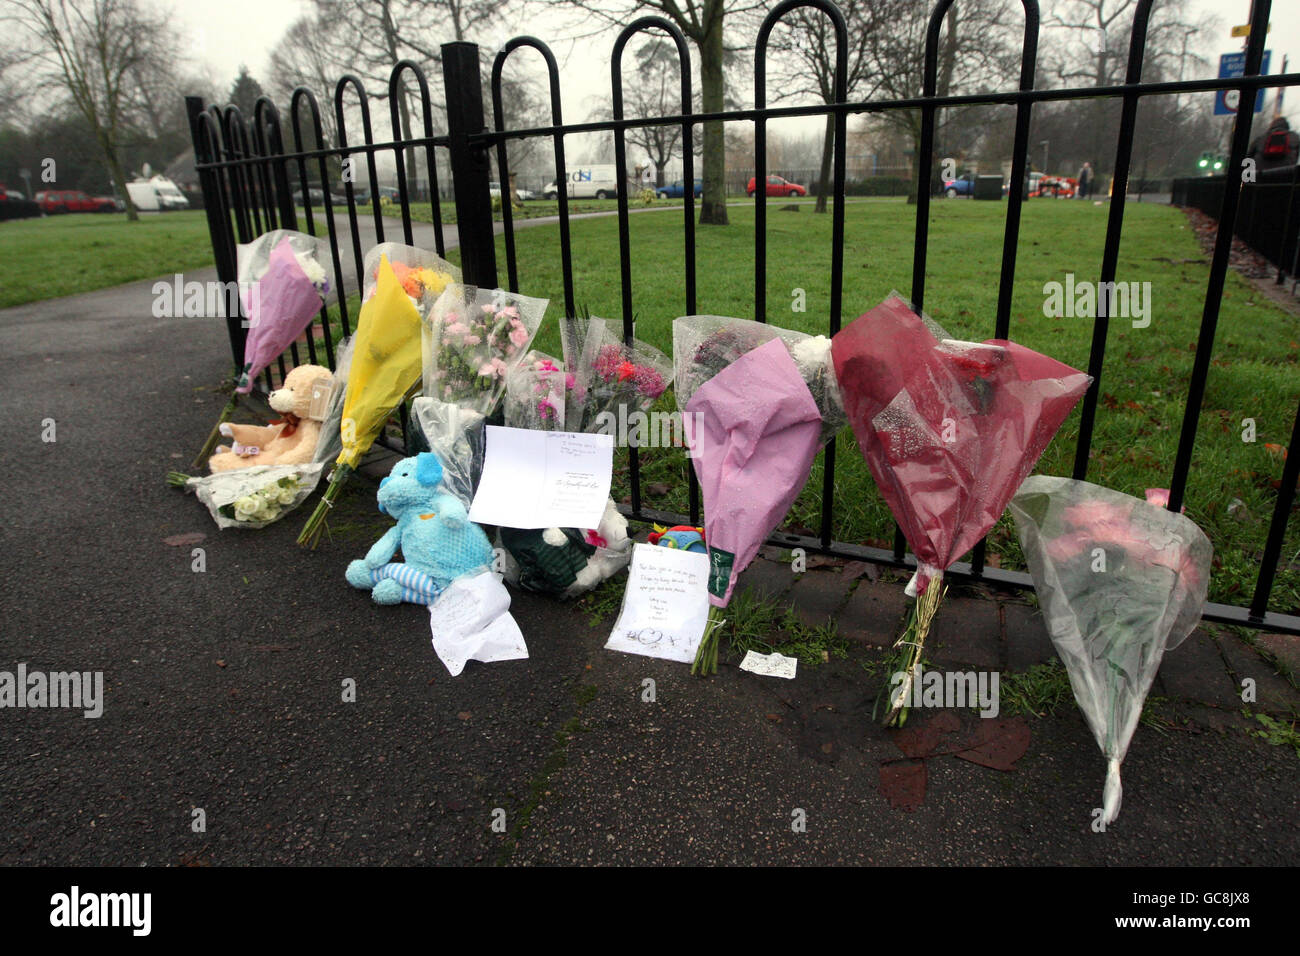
<point x="394" y="583"/>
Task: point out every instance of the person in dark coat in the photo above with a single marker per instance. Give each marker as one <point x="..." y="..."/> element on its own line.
<point x="1085" y="180"/>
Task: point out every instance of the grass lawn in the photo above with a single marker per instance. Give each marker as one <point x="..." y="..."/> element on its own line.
<point x="532" y="209"/>
<point x="96" y="250"/>
<point x="1254" y="372"/>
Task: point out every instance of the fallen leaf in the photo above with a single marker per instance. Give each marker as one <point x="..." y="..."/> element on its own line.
<point x="180" y="540"/>
<point x="922" y="737"/>
<point x="903" y="783"/>
<point x="998" y="744"/>
<point x="463" y="715"/>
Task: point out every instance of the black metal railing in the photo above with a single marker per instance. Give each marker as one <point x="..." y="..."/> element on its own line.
<point x="245" y="182"/>
<point x="1269" y="220"/>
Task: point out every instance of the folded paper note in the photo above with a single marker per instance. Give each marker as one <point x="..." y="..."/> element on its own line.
<point x="665" y="605"/>
<point x="471" y="621"/>
<point x="534" y="479"/>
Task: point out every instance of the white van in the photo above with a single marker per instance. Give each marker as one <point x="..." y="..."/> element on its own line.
<point x="587" y="182"/>
<point x="155" y="194"/>
<point x="143" y="196"/>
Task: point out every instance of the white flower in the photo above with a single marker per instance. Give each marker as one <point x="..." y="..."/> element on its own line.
<point x="315" y="271"/>
<point x="246" y="505"/>
<point x="286" y="496"/>
<point x="812" y="351"/>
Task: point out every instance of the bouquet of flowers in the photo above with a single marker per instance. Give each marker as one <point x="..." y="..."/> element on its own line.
<point x="609" y="378"/>
<point x="422" y="274"/>
<point x="757" y="417"/>
<point x="949" y="429"/>
<point x="703" y="345"/>
<point x="284" y="281"/>
<point x="1120" y="582"/>
<point x="384" y="368"/>
<point x="253" y="497"/>
<point x="535" y="393"/>
<point x="471" y="340"/>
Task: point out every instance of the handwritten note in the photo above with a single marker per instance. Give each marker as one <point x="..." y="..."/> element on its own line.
<point x="665" y="606"/>
<point x="770" y="665"/>
<point x="535" y="479"/>
<point x="471" y="621"/>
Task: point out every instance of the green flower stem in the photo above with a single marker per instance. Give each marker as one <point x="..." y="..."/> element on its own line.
<point x="706" y="658"/>
<point x="316" y="524"/>
<point x="215" y="434"/>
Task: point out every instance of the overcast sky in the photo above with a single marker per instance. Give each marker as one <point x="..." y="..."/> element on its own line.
<point x="224" y="35"/>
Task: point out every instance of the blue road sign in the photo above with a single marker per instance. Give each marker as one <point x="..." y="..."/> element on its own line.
<point x="1230" y="65"/>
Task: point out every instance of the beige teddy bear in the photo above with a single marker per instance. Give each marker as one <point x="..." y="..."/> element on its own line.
<point x="289" y="441"/>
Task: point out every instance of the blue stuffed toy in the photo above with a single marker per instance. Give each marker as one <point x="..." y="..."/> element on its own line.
<point x="439" y="543"/>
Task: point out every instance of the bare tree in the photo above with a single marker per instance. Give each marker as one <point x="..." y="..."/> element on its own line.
<point x="979" y="50"/>
<point x="1086" y="44"/>
<point x="653" y="90"/>
<point x="701" y="22"/>
<point x="96" y="51"/>
<point x="301" y="58"/>
<point x="805" y="43"/>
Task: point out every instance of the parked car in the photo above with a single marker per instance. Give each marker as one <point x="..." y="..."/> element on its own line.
<point x="1060" y="187"/>
<point x="317" y="197"/>
<point x="678" y="190"/>
<point x="776" y="186"/>
<point x="54" y="201"/>
<point x="963" y="185"/>
<point x="494" y="189"/>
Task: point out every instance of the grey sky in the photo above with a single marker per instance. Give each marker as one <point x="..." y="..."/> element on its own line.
<point x="224" y="35"/>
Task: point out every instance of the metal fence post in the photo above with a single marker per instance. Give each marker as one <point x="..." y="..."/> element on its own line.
<point x="219" y="229"/>
<point x="470" y="169"/>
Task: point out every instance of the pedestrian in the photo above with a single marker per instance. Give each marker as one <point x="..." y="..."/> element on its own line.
<point x="1085" y="180"/>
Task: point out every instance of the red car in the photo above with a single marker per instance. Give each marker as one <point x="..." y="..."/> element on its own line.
<point x="776" y="186"/>
<point x="72" y="200"/>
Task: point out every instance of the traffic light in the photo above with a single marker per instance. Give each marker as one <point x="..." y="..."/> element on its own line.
<point x="1211" y="162"/>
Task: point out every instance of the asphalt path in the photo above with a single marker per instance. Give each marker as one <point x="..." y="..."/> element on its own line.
<point x="224" y="689"/>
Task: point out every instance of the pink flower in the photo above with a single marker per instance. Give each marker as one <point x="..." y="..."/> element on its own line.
<point x="510" y="311"/>
<point x="569" y="380"/>
<point x="649" y="382"/>
<point x="1160" y="498"/>
<point x="607" y="361"/>
<point x="457" y="328"/>
<point x="472" y="340"/>
<point x="546" y="409"/>
<point x="487" y="368"/>
<point x="499" y="367"/>
<point x="519" y="336"/>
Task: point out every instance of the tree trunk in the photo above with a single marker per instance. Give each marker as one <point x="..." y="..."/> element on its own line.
<point x="115" y="170"/>
<point x="824" y="184"/>
<point x="713" y="208"/>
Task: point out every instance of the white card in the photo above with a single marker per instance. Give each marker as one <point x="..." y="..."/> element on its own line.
<point x="471" y="621"/>
<point x="536" y="479"/>
<point x="665" y="605"/>
<point x="770" y="665"/>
